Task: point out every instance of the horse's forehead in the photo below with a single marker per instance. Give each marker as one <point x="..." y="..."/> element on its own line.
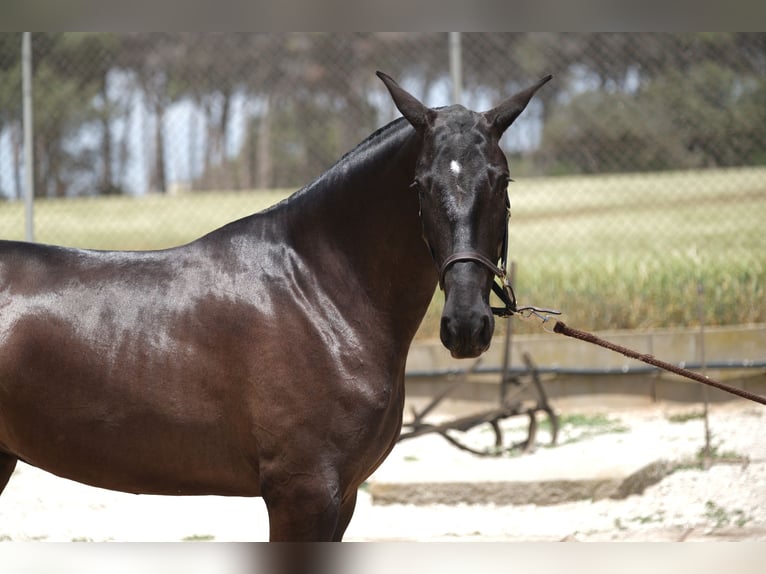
<point x="456" y="122"/>
<point x="462" y="141"/>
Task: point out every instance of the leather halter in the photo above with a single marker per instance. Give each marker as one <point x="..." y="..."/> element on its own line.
<point x="503" y="288"/>
<point x="474" y="256"/>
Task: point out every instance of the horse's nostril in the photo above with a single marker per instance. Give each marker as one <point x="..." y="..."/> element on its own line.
<point x="481" y="328"/>
<point x="447" y="332"/>
<point x="487" y="325"/>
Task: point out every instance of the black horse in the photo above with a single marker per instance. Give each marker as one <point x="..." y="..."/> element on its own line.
<point x="267" y="357"/>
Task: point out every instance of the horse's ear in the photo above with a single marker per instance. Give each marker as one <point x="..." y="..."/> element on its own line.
<point x="502" y="116"/>
<point x="416" y="113"/>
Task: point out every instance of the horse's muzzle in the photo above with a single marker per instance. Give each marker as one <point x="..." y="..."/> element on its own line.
<point x="467" y="335"/>
<point x="467" y="322"/>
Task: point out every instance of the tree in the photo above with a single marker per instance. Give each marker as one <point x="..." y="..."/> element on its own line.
<point x="154" y="59"/>
<point x="660" y="102"/>
<point x="10" y="101"/>
<point x="618" y="101"/>
<point x="313" y="96"/>
<point x="211" y="82"/>
<point x="67" y="70"/>
<point x="97" y="54"/>
<point x="63" y="97"/>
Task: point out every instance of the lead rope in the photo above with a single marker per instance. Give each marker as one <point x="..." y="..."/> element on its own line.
<point x="562" y="328"/>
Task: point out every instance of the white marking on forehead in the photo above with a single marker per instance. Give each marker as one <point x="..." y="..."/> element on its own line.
<point x="455" y="167"/>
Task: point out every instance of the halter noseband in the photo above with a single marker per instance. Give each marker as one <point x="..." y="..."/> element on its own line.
<point x="503" y="289"/>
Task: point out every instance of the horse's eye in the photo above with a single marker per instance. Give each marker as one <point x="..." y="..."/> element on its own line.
<point x="420" y="186"/>
<point x="500" y="181"/>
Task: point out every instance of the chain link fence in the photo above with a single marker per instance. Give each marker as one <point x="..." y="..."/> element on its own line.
<point x="640" y="169"/>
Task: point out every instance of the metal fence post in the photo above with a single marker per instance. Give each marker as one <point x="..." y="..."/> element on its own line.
<point x="506" y="378"/>
<point x="456" y="67"/>
<point x="29" y="170"/>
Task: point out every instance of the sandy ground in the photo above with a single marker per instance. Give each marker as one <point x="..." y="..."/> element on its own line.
<point x="728" y="501"/>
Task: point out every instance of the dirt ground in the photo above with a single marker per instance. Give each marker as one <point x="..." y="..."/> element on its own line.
<point x="725" y="502"/>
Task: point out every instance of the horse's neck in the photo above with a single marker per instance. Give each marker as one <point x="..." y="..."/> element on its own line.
<point x="367" y="217"/>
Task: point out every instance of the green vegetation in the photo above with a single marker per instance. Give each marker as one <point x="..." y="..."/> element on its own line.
<point x="198" y="538"/>
<point x="121" y="222"/>
<point x="575" y="427"/>
<point x="703" y="460"/>
<point x="656" y="517"/>
<point x="598" y="421"/>
<point x="629" y="251"/>
<point x="303" y="99"/>
<point x="686" y="417"/>
<point x="612" y="252"/>
<point x="723" y="517"/>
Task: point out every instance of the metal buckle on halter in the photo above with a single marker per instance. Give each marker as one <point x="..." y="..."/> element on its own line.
<point x="503" y="289"/>
<point x="506" y="294"/>
<point x="548" y="323"/>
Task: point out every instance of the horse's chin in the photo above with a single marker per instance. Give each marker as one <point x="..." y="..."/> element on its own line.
<point x="468" y="353"/>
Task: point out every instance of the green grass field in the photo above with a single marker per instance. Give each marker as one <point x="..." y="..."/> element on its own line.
<point x="630" y="251"/>
<point x="150" y="222"/>
<point x="618" y="251"/>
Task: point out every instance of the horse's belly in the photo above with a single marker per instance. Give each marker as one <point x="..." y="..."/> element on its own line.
<point x="147" y="424"/>
<point x="138" y="454"/>
<point x="162" y="474"/>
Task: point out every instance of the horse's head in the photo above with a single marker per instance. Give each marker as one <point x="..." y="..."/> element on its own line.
<point x="461" y="177"/>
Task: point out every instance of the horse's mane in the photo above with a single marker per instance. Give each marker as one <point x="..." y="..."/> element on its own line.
<point x="373" y="140"/>
<point x="377" y="143"/>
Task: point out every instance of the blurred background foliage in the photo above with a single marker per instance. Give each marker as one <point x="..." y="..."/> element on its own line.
<point x="138" y="113"/>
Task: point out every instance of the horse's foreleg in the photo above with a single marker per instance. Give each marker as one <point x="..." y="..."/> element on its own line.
<point x="7" y="464"/>
<point x="302" y="508"/>
<point x="346" y="512"/>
